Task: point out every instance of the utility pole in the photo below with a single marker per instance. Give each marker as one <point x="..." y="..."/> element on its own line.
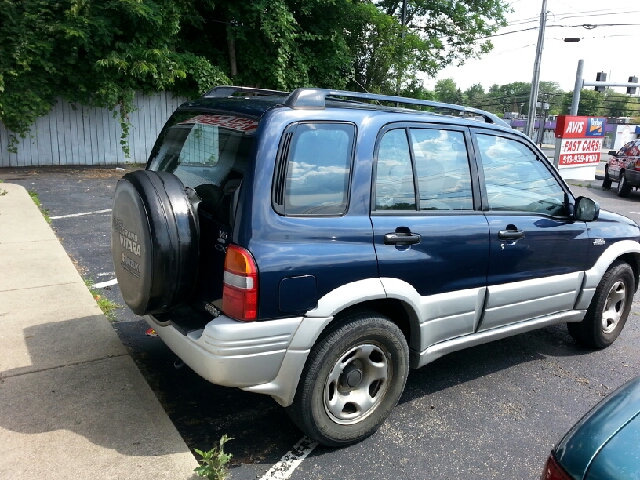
<point x="575" y="101"/>
<point x="403" y="32"/>
<point x="535" y="83"/>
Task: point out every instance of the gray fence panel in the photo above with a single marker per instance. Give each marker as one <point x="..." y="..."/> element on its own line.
<point x="82" y="135"/>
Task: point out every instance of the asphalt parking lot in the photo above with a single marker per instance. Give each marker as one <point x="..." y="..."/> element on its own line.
<point x="492" y="411"/>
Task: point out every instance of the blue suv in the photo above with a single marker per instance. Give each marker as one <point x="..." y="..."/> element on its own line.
<point x="315" y="245"/>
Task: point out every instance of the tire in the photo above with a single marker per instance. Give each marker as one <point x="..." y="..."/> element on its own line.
<point x="606" y="183"/>
<point x="366" y="354"/>
<point x="609" y="308"/>
<point x="154" y="241"/>
<point x="623" y="186"/>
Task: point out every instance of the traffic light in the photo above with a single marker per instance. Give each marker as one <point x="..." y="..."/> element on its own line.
<point x="601" y="77"/>
<point x="632" y="90"/>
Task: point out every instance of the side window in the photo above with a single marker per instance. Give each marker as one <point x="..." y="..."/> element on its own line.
<point x="314" y="166"/>
<point x="516" y="179"/>
<point x="442" y="167"/>
<point x="394" y="174"/>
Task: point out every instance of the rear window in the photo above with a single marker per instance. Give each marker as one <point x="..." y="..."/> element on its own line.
<point x="204" y="150"/>
<point x="313" y="169"/>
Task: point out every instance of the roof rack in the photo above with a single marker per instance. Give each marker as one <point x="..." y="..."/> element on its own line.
<point x="229" y="90"/>
<point x="311" y="98"/>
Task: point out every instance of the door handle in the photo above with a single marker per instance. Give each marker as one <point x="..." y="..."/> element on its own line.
<point x="401" y="238"/>
<point x="510" y="234"/>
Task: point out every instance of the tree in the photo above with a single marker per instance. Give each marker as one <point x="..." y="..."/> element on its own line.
<point x="476" y="96"/>
<point x="512" y="97"/>
<point x="99" y="52"/>
<point x="447" y="91"/>
<point x="438" y="33"/>
<point x="619" y="104"/>
<point x="590" y="102"/>
<point x="94" y="52"/>
<point x="551" y="93"/>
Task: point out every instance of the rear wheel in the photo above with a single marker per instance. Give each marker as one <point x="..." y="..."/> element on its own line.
<point x="609" y="308"/>
<point x="623" y="186"/>
<point x="606" y="183"/>
<point x="352" y="380"/>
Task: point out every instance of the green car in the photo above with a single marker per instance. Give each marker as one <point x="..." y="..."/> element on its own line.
<point x="604" y="444"/>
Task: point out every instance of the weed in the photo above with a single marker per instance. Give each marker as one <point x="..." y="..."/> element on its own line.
<point x="106" y="305"/>
<point x="2" y="192"/>
<point x="214" y="462"/>
<point x="45" y="212"/>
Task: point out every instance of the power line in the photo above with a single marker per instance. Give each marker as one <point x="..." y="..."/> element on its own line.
<point x="604" y="11"/>
<point x="599" y="14"/>
<point x="588" y="26"/>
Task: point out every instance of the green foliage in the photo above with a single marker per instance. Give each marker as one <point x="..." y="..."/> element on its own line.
<point x="438" y="33"/>
<point x="619" y="104"/>
<point x="45" y="212"/>
<point x="107" y="306"/>
<point x="214" y="462"/>
<point x="447" y="91"/>
<point x="93" y="52"/>
<point x="99" y="52"/>
<point x="590" y="102"/>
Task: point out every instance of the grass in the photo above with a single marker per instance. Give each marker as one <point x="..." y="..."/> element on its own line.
<point x="213" y="465"/>
<point x="2" y="190"/>
<point x="45" y="213"/>
<point x="107" y="306"/>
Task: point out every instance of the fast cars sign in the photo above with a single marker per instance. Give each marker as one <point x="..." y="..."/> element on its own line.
<point x="581" y="140"/>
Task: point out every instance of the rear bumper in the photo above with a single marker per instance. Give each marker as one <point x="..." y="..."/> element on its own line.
<point x="232" y="353"/>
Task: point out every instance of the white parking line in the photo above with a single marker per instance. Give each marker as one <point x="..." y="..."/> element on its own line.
<point x="105" y="284"/>
<point x="290" y="461"/>
<point x="106" y="274"/>
<point x="57" y="217"/>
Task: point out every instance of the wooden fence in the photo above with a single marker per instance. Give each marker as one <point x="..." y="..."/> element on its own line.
<point x="81" y="135"/>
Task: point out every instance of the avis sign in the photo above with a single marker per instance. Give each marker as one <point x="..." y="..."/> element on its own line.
<point x="581" y="140"/>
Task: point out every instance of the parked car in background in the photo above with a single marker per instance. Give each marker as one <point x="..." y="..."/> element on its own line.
<point x="604" y="444"/>
<point x="623" y="167"/>
<point x="315" y="245"/>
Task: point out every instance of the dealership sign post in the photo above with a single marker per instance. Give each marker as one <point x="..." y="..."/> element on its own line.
<point x="578" y="146"/>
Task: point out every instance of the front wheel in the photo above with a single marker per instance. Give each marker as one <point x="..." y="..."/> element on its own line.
<point x="608" y="310"/>
<point x="352" y="380"/>
<point x="623" y="186"/>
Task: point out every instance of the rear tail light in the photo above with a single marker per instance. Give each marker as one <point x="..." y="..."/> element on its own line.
<point x="240" y="292"/>
<point x="553" y="471"/>
<point x="636" y="166"/>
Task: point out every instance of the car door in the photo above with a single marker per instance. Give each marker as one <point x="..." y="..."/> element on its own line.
<point x="431" y="238"/>
<point x="537" y="250"/>
<point x="621" y="159"/>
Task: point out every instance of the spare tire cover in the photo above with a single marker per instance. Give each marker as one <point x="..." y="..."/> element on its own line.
<point x="154" y="241"/>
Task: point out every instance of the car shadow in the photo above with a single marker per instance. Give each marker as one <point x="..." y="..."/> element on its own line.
<point x="75" y="378"/>
<point x="262" y="432"/>
<point x="482" y="360"/>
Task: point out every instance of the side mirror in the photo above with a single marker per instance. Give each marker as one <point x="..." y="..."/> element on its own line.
<point x="613" y="152"/>
<point x="586" y="209"/>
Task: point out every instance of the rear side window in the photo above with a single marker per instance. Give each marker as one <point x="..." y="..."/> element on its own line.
<point x="395" y="189"/>
<point x="313" y="169"/>
<point x="442" y="168"/>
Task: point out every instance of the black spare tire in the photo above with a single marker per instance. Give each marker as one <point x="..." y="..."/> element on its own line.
<point x="154" y="241"/>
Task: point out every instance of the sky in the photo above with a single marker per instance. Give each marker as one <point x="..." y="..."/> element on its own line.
<point x="611" y="49"/>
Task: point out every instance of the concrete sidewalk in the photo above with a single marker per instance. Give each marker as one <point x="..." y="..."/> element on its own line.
<point x="72" y="402"/>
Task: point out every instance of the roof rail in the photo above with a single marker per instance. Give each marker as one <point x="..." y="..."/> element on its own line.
<point x="311" y="98"/>
<point x="229" y="90"/>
